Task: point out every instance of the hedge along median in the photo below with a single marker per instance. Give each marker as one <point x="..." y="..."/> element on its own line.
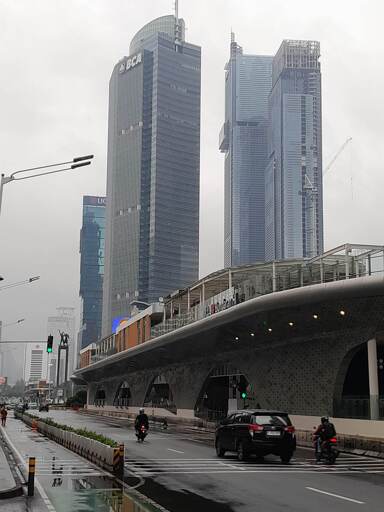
<point x="100" y="450"/>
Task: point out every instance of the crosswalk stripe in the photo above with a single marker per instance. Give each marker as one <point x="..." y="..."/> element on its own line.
<point x="67" y="467"/>
<point x="344" y="465"/>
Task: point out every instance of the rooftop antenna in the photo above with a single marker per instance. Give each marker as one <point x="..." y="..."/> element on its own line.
<point x="232" y="36"/>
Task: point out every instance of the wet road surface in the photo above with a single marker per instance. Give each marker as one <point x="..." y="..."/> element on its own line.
<point x="65" y="482"/>
<point x="184" y="475"/>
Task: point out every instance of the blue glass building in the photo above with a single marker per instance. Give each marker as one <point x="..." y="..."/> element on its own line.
<point x="152" y="222"/>
<point x="92" y="248"/>
<point x="294" y="196"/>
<point x="243" y="139"/>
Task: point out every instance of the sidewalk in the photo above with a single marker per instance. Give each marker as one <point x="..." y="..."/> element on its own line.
<point x="8" y="486"/>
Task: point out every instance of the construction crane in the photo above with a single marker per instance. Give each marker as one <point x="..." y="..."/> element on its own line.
<point x="337" y="155"/>
<point x="310" y="192"/>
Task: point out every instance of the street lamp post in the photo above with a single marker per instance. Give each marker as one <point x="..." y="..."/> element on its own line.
<point x="19" y="283"/>
<point x="79" y="161"/>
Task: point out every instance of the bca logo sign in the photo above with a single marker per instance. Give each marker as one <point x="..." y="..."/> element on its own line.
<point x="130" y="63"/>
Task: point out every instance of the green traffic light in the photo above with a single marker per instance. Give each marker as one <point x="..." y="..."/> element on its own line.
<point x="243" y="395"/>
<point x="49" y="349"/>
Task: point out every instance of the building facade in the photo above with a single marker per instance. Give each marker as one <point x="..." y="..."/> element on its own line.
<point x="35" y="363"/>
<point x="243" y="139"/>
<point x="92" y="246"/>
<point x="294" y="196"/>
<point x="152" y="213"/>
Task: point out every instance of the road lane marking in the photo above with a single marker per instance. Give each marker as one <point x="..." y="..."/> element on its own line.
<point x="40" y="488"/>
<point x="231" y="466"/>
<point x="336" y="496"/>
<point x="176" y="451"/>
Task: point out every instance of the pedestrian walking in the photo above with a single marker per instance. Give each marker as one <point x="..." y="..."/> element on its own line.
<point x="3" y="413"/>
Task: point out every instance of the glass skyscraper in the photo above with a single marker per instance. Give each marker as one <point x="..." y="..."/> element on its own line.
<point x="243" y="139"/>
<point x="92" y="246"/>
<point x="294" y="196"/>
<point x="152" y="222"/>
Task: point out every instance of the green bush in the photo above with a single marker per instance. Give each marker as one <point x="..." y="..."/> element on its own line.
<point x="80" y="431"/>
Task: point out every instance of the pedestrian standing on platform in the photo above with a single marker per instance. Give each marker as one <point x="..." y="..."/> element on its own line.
<point x="3" y="413"/>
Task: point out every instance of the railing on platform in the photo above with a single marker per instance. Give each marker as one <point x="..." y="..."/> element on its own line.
<point x="356" y="408"/>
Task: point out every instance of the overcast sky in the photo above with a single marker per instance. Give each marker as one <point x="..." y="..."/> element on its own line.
<point x="56" y="59"/>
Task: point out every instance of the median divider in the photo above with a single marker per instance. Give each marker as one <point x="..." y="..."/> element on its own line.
<point x="107" y="456"/>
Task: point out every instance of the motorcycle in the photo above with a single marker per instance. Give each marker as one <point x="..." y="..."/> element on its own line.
<point x="327" y="451"/>
<point x="141" y="433"/>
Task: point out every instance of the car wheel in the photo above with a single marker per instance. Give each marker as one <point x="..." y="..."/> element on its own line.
<point x="220" y="452"/>
<point x="241" y="453"/>
<point x="286" y="457"/>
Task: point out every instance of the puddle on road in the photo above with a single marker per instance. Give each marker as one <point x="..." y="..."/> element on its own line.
<point x="97" y="494"/>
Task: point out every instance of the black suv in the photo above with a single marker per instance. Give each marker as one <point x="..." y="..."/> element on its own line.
<point x="256" y="431"/>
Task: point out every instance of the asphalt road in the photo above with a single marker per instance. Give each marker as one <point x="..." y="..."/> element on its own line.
<point x="182" y="474"/>
<point x="65" y="482"/>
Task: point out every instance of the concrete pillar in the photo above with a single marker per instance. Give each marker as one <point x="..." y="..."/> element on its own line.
<point x="373" y="379"/>
<point x="229" y="279"/>
<point x="171" y="310"/>
<point x="188" y="300"/>
<point x="321" y="271"/>
<point x="274" y="286"/>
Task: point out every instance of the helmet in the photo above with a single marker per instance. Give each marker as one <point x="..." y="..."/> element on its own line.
<point x="324" y="419"/>
<point x="141" y="410"/>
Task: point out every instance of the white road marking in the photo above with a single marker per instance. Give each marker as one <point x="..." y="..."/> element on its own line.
<point x="336" y="496"/>
<point x="233" y="467"/>
<point x="146" y="467"/>
<point x="43" y="494"/>
<point x="176" y="451"/>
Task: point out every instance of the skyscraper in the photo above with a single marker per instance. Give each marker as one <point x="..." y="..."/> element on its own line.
<point x="243" y="139"/>
<point x="91" y="269"/>
<point x="152" y="221"/>
<point x="294" y="197"/>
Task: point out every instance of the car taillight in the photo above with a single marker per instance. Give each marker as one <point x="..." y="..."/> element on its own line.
<point x="255" y="428"/>
<point x="333" y="440"/>
<point x="290" y="429"/>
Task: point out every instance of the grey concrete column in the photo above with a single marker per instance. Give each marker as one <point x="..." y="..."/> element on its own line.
<point x="373" y="379"/>
<point x="274" y="279"/>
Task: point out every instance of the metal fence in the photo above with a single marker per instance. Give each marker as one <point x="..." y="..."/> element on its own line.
<point x="357" y="408"/>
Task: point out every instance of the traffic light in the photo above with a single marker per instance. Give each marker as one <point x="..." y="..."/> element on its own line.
<point x="242" y="387"/>
<point x="49" y="343"/>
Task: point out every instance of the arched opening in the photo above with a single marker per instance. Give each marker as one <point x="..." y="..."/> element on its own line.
<point x="100" y="398"/>
<point x="123" y="395"/>
<point x="221" y="393"/>
<point x="159" y="394"/>
<point x="353" y="397"/>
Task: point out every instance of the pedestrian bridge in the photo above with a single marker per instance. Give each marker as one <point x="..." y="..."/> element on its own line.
<point x="312" y="344"/>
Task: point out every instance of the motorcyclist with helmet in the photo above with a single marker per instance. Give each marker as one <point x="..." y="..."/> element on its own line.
<point x="141" y="419"/>
<point x="324" y="432"/>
